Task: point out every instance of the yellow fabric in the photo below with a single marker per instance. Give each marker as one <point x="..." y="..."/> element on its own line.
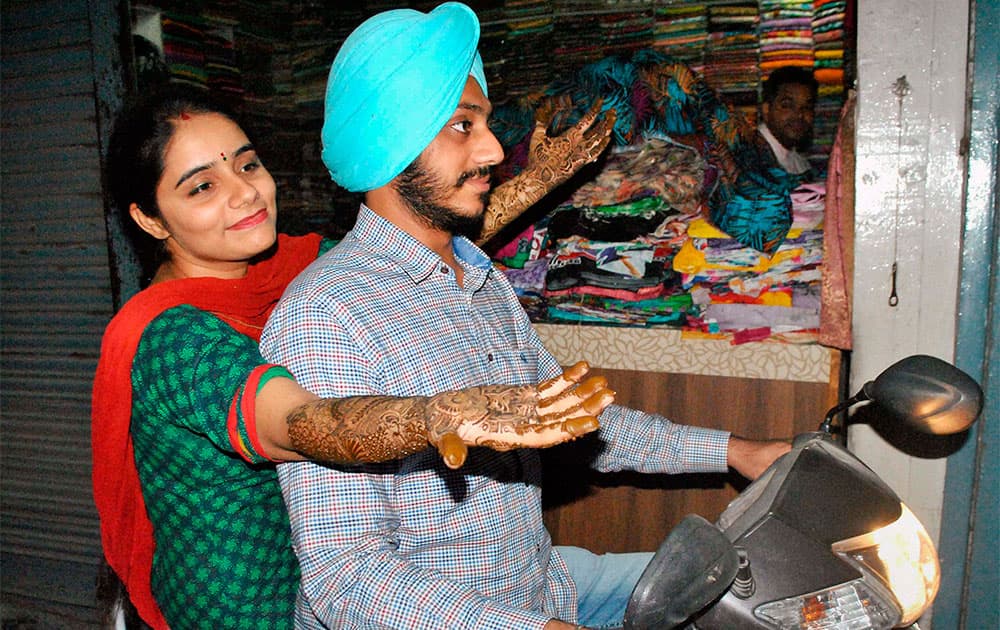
<point x="691" y="260"/>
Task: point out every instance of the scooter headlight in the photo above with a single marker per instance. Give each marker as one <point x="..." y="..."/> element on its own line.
<point x="903" y="556"/>
<point x="901" y="578"/>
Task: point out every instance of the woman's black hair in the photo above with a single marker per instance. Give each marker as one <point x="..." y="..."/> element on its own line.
<point x="112" y="600"/>
<point x="136" y="149"/>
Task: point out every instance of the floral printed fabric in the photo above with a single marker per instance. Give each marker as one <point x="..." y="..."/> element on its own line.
<point x="654" y="95"/>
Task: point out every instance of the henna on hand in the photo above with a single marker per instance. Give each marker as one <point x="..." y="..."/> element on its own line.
<point x="505" y="417"/>
<point x="360" y="429"/>
<point x="371" y="429"/>
<point x="551" y="161"/>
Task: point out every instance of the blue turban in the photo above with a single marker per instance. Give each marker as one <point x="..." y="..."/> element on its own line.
<point x="394" y="84"/>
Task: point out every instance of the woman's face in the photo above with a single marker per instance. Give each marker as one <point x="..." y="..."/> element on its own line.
<point x="217" y="201"/>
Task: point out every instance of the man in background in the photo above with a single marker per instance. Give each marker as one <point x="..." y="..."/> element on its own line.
<point x="789" y="107"/>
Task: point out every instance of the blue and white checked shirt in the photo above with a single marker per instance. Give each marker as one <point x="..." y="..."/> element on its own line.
<point x="412" y="544"/>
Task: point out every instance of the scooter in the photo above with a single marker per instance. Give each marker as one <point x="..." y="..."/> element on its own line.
<point x="818" y="541"/>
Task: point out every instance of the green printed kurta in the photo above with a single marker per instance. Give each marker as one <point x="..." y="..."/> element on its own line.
<point x="223" y="554"/>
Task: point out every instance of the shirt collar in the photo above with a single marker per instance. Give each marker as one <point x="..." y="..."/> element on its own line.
<point x="412" y="256"/>
<point x="791" y="160"/>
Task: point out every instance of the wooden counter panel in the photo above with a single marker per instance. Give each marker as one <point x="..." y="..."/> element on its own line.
<point x="634" y="512"/>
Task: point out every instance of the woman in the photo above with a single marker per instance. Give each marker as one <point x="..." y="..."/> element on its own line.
<point x="188" y="418"/>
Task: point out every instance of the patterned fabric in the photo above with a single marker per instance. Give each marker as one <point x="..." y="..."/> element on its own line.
<point x="655" y="95"/>
<point x="837" y="289"/>
<point x="413" y="544"/>
<point x="223" y="555"/>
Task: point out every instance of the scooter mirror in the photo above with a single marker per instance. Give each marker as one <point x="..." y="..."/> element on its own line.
<point x="694" y="565"/>
<point x="927" y="394"/>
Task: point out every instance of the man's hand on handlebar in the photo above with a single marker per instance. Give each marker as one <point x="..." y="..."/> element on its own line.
<point x="751" y="458"/>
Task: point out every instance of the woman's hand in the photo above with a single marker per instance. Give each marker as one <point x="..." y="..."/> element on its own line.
<point x="505" y="417"/>
<point x="551" y="161"/>
<point x="370" y="429"/>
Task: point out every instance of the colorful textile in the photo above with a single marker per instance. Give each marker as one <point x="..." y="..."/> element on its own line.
<point x="654" y="95"/>
<point x="413" y="544"/>
<point x="744" y="291"/>
<point x="223" y="553"/>
<point x="126" y="532"/>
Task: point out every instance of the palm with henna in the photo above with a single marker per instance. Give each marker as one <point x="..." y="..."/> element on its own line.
<point x="500" y="417"/>
<point x="551" y="161"/>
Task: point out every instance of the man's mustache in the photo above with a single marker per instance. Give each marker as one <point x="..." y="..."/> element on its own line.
<point x="482" y="171"/>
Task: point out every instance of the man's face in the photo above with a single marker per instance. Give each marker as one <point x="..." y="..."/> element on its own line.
<point x="790" y="116"/>
<point x="448" y="185"/>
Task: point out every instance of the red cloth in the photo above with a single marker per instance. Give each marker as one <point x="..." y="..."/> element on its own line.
<point x="837" y="288"/>
<point x="126" y="532"/>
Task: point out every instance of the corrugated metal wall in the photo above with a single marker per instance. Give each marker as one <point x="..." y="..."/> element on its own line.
<point x="60" y="75"/>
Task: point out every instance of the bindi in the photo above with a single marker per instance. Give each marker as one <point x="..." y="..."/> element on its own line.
<point x="223" y="156"/>
<point x="185" y="116"/>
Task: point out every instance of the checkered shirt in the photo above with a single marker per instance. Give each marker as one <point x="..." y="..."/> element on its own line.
<point x="411" y="544"/>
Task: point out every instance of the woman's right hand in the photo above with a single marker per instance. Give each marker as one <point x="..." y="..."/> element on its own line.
<point x="370" y="429"/>
<point x="505" y="417"/>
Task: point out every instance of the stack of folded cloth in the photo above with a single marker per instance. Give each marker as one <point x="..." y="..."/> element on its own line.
<point x="527" y="45"/>
<point x="606" y="254"/>
<point x="680" y="31"/>
<point x="752" y="296"/>
<point x="785" y="34"/>
<point x="625" y="32"/>
<point x="184" y="48"/>
<point x="731" y="54"/>
<point x="576" y="40"/>
<point x="828" y="26"/>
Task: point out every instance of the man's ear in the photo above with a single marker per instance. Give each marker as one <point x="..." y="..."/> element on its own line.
<point x="152" y="226"/>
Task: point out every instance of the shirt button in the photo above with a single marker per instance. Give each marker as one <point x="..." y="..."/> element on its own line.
<point x="444" y="269"/>
<point x="489" y="356"/>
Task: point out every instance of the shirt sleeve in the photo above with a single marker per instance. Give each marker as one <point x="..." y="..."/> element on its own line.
<point x="641" y="441"/>
<point x="344" y="527"/>
<point x="194" y="369"/>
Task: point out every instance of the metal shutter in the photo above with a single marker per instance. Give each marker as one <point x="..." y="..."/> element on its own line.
<point x="61" y="75"/>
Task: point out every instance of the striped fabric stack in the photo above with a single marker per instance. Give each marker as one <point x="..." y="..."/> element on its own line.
<point x="680" y="31"/>
<point x="785" y="34"/>
<point x="527" y="46"/>
<point x="492" y="33"/>
<point x="828" y="26"/>
<point x="576" y="40"/>
<point x="625" y="32"/>
<point x="184" y="48"/>
<point x="731" y="55"/>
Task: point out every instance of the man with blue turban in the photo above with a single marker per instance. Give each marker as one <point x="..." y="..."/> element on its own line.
<point x="407" y="305"/>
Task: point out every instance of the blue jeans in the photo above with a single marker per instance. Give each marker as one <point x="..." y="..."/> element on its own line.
<point x="604" y="583"/>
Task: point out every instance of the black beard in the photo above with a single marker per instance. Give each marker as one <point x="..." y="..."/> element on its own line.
<point x="421" y="190"/>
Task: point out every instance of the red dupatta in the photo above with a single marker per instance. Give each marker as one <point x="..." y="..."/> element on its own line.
<point x="245" y="304"/>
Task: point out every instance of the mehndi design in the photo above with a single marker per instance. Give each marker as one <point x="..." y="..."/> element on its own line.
<point x="551" y="161"/>
<point x="502" y="417"/>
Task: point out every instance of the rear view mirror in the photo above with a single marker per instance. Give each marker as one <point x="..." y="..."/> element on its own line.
<point x="927" y="394"/>
<point x="694" y="565"/>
